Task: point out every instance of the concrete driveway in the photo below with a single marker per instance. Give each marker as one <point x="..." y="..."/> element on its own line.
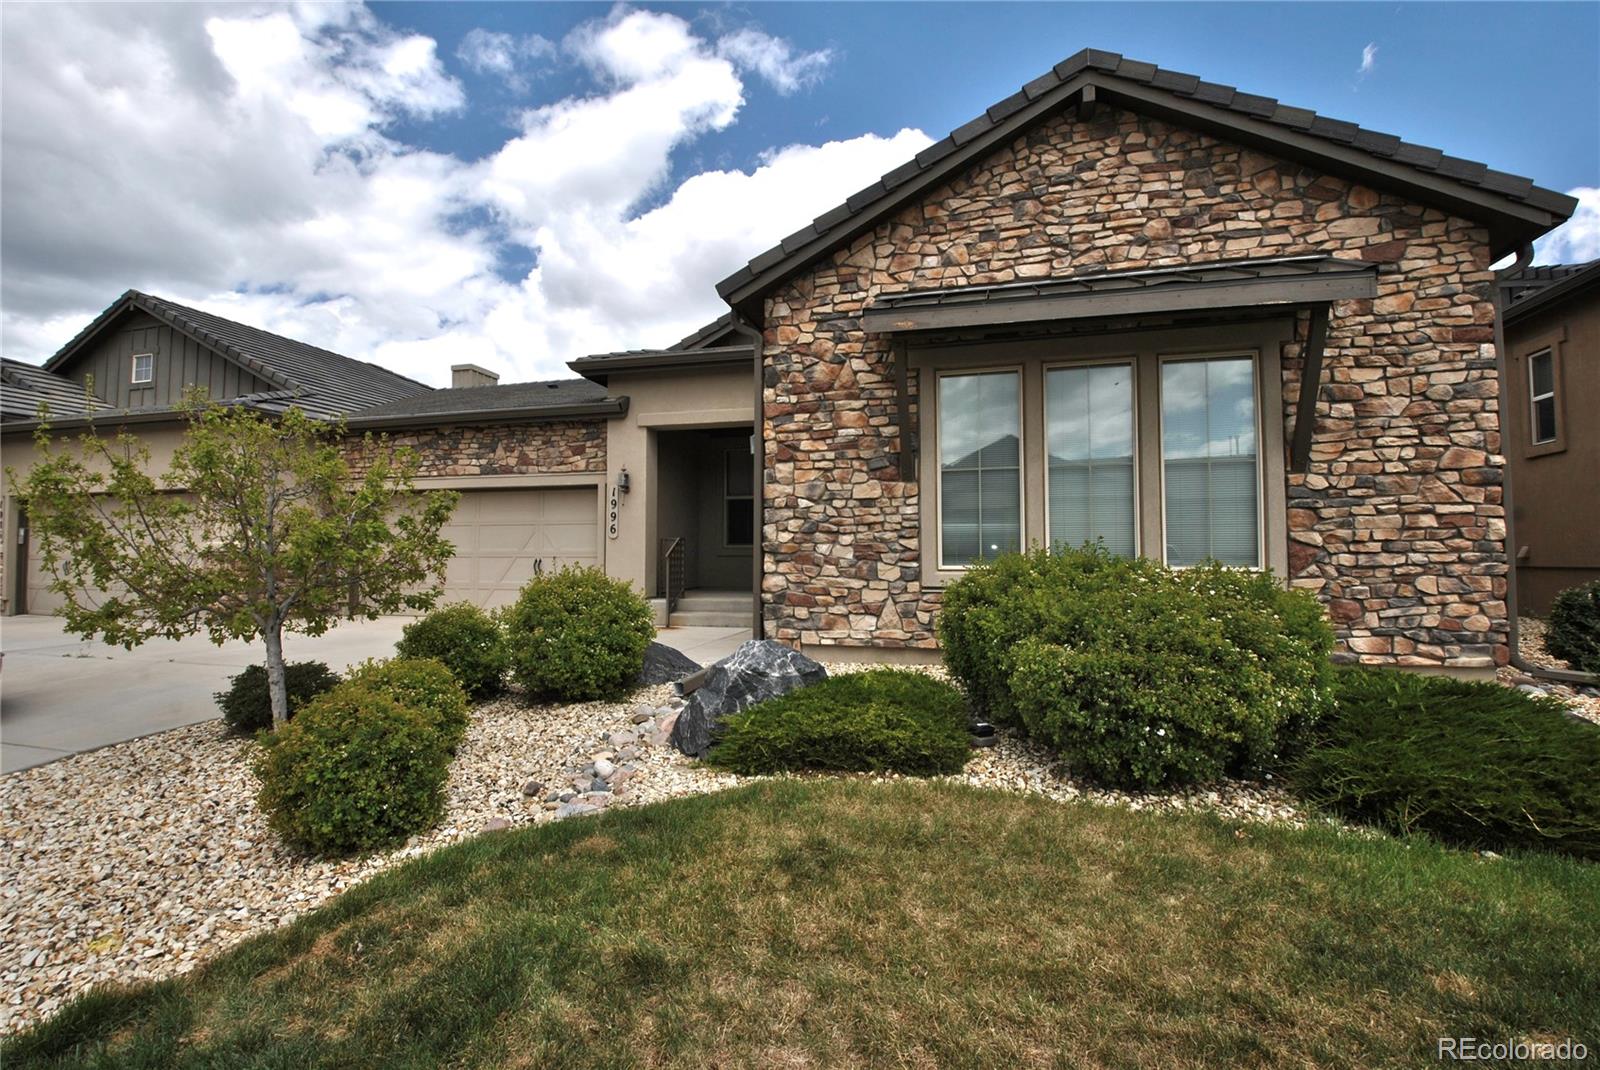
<point x="60" y="695"/>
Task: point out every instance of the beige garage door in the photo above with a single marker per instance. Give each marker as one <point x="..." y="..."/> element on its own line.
<point x="505" y="537"/>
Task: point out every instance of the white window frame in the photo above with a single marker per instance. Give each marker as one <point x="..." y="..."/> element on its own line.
<point x="133" y="371"/>
<point x="1548" y="353"/>
<point x="1131" y="362"/>
<point x="1022" y="456"/>
<point x="1162" y="360"/>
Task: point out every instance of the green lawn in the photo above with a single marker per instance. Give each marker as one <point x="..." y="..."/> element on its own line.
<point x="846" y="923"/>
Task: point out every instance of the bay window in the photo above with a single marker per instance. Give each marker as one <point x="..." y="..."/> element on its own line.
<point x="1162" y="443"/>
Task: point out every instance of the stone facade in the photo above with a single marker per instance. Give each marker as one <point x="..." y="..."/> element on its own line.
<point x="501" y="449"/>
<point x="1397" y="525"/>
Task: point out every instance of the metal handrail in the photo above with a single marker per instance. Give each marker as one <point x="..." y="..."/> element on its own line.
<point x="674" y="572"/>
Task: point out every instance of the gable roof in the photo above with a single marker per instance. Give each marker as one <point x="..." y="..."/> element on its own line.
<point x="319" y="381"/>
<point x="1529" y="289"/>
<point x="24" y="387"/>
<point x="719" y="332"/>
<point x="1515" y="210"/>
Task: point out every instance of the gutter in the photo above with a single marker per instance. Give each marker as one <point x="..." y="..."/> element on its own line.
<point x="1507" y="500"/>
<point x="758" y="460"/>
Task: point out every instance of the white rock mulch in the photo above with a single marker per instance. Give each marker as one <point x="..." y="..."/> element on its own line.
<point x="1582" y="701"/>
<point x="143" y="859"/>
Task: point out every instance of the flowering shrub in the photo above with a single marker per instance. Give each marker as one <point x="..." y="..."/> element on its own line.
<point x="1141" y="676"/>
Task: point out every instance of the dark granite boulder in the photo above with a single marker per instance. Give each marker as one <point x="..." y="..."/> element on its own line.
<point x="760" y="669"/>
<point x="664" y="665"/>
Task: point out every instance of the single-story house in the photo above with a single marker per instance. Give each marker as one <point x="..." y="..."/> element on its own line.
<point x="1551" y="322"/>
<point x="1121" y="304"/>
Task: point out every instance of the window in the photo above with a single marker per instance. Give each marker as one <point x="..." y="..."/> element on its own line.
<point x="1209" y="473"/>
<point x="980" y="466"/>
<point x="738" y="509"/>
<point x="144" y="365"/>
<point x="1542" y="393"/>
<point x="1089" y="442"/>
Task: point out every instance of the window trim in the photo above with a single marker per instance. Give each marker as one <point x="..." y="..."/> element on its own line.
<point x="133" y="370"/>
<point x="929" y="357"/>
<point x="1553" y="341"/>
<point x="1131" y="362"/>
<point x="1258" y="395"/>
<point x="1022" y="457"/>
<point x="729" y="500"/>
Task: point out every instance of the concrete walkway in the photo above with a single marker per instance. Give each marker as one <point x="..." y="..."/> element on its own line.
<point x="60" y="695"/>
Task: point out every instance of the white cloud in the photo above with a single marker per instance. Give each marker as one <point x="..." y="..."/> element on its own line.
<point x="1578" y="239"/>
<point x="1369" y="59"/>
<point x="244" y="159"/>
<point x="504" y="55"/>
<point x="774" y="59"/>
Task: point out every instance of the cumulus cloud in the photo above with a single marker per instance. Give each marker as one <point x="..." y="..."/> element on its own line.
<point x="246" y="160"/>
<point x="774" y="59"/>
<point x="1577" y="240"/>
<point x="506" y="56"/>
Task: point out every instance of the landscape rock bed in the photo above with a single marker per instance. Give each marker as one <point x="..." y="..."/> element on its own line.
<point x="141" y="860"/>
<point x="1581" y="701"/>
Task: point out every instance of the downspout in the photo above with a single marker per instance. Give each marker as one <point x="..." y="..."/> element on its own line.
<point x="1507" y="502"/>
<point x="758" y="458"/>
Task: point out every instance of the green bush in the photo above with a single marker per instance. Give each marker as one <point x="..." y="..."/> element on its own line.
<point x="884" y="720"/>
<point x="1474" y="764"/>
<point x="1573" y="634"/>
<point x="467" y="640"/>
<point x="423" y="685"/>
<point x="355" y="771"/>
<point x="247" y="704"/>
<point x="1139" y="675"/>
<point x="577" y="634"/>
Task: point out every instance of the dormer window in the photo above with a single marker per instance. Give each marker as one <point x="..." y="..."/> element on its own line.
<point x="144" y="367"/>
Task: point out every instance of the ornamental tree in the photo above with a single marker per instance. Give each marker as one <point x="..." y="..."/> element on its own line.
<point x="258" y="527"/>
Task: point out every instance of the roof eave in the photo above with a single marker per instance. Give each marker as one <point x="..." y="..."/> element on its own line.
<point x="1550" y="296"/>
<point x="607" y="408"/>
<point x="601" y="366"/>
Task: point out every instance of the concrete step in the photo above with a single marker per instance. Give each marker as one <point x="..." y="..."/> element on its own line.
<point x="721" y="618"/>
<point x="714" y="602"/>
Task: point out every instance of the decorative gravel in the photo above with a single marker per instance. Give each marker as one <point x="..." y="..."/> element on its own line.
<point x="140" y="860"/>
<point x="1581" y="701"/>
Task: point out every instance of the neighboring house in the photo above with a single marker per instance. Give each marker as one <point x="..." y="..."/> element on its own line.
<point x="1550" y="319"/>
<point x="1122" y="304"/>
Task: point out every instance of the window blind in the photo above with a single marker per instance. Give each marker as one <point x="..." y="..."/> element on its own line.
<point x="1208" y="448"/>
<point x="1089" y="432"/>
<point x="980" y="469"/>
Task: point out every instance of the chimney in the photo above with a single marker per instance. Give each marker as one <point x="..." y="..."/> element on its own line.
<point x="471" y="375"/>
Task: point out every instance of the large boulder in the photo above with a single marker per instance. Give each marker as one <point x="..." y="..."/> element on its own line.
<point x="664" y="665"/>
<point x="760" y="669"/>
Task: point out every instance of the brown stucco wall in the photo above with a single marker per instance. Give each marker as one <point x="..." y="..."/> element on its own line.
<point x="1397" y="526"/>
<point x="1556" y="490"/>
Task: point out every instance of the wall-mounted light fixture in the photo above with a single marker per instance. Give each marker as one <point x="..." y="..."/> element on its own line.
<point x="622" y="481"/>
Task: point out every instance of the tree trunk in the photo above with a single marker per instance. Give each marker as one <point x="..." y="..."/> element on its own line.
<point x="277" y="679"/>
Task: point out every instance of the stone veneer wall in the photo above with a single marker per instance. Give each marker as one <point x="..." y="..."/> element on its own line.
<point x="1397" y="525"/>
<point x="501" y="449"/>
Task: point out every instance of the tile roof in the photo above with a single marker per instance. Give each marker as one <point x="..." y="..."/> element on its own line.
<point x="490" y="400"/>
<point x="1529" y="289"/>
<point x="1238" y="111"/>
<point x="24" y="387"/>
<point x="319" y="381"/>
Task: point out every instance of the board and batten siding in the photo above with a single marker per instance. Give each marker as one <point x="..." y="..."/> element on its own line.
<point x="180" y="362"/>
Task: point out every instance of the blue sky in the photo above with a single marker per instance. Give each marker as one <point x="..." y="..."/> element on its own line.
<point x="518" y="184"/>
<point x="1514" y="85"/>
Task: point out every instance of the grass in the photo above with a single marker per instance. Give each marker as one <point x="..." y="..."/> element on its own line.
<point x="851" y="923"/>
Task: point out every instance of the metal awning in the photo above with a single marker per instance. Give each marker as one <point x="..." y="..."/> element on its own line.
<point x="1285" y="281"/>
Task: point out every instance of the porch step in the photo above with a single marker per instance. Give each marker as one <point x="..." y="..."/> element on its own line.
<point x="712" y="609"/>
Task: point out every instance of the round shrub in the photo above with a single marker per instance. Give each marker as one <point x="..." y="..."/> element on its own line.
<point x="1573" y="634"/>
<point x="423" y="685"/>
<point x="577" y="634"/>
<point x="1475" y="764"/>
<point x="467" y="640"/>
<point x="355" y="771"/>
<point x="884" y="720"/>
<point x="247" y="704"/>
<point x="1139" y="675"/>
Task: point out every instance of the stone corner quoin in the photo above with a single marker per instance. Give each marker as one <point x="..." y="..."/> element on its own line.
<point x="1397" y="525"/>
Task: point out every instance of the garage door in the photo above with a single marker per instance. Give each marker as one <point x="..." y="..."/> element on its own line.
<point x="505" y="537"/>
